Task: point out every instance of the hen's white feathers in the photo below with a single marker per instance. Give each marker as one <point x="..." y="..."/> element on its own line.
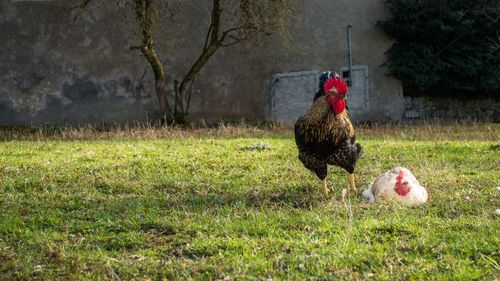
<point x="398" y="184"/>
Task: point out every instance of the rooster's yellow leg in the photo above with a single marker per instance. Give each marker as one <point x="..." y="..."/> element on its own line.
<point x="350" y="177"/>
<point x="325" y="187"/>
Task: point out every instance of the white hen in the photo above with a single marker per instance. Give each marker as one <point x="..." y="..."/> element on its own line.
<point x="398" y="184"/>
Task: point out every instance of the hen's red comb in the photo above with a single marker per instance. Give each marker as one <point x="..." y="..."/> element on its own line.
<point x="337" y="83"/>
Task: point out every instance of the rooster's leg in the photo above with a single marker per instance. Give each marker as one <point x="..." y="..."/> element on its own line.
<point x="325" y="187"/>
<point x="351" y="182"/>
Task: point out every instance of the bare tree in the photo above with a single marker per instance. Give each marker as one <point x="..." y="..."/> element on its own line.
<point x="144" y="14"/>
<point x="231" y="22"/>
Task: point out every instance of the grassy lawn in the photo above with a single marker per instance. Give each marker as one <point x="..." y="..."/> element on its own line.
<point x="234" y="203"/>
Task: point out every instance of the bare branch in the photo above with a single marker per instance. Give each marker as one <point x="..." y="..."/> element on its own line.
<point x="144" y="11"/>
<point x="78" y="8"/>
<point x="207" y="39"/>
<point x="82" y="5"/>
<point x="231" y="22"/>
<point x="215" y="24"/>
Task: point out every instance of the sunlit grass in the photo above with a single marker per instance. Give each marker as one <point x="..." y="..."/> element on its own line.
<point x="235" y="203"/>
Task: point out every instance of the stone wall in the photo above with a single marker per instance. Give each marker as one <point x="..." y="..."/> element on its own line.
<point x="452" y="109"/>
<point x="56" y="70"/>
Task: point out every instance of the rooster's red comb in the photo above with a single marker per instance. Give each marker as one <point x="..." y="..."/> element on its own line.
<point x="337" y="83"/>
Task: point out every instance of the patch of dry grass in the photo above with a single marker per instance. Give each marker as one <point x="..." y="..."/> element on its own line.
<point x="137" y="131"/>
<point x="424" y="130"/>
<point x="433" y="130"/>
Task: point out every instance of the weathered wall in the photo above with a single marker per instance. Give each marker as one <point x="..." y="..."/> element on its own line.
<point x="320" y="43"/>
<point x="57" y="70"/>
<point x="486" y="109"/>
<point x="54" y="70"/>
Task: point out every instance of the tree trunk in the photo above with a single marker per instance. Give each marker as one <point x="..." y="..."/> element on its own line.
<point x="144" y="14"/>
<point x="179" y="105"/>
<point x="212" y="43"/>
<point x="197" y="66"/>
<point x="159" y="74"/>
<point x="162" y="100"/>
<point x="181" y="110"/>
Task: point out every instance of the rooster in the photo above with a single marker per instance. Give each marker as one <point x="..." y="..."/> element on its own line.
<point x="325" y="135"/>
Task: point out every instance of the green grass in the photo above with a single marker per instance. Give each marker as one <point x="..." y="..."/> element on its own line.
<point x="223" y="205"/>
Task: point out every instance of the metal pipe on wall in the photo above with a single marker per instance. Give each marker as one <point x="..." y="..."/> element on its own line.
<point x="349" y="81"/>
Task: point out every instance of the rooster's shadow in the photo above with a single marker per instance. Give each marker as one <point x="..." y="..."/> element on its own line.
<point x="302" y="197"/>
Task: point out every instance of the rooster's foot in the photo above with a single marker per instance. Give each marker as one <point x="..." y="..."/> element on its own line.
<point x="325" y="187"/>
<point x="353" y="189"/>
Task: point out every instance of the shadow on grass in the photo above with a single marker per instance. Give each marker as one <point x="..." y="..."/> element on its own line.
<point x="166" y="197"/>
<point x="295" y="197"/>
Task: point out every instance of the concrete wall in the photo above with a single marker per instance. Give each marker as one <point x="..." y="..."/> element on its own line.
<point x="54" y="70"/>
<point x="57" y="70"/>
<point x="485" y="109"/>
